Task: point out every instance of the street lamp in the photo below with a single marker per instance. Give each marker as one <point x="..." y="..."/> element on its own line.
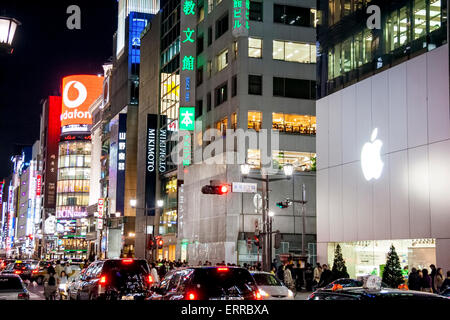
<point x="8" y="28"/>
<point x="267" y="215"/>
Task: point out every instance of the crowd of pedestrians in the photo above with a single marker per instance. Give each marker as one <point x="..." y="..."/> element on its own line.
<point x="434" y="281"/>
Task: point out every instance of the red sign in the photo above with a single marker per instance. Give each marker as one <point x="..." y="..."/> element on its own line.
<point x="79" y="92"/>
<point x="100" y="204"/>
<point x="38" y="184"/>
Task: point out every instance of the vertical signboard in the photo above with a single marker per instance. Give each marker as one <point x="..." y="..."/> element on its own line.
<point x="38" y="185"/>
<point x="121" y="156"/>
<point x="100" y="206"/>
<point x="150" y="171"/>
<point x="241" y="12"/>
<point x="162" y="144"/>
<point x="51" y="156"/>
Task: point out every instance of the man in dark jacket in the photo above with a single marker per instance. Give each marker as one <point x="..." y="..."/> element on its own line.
<point x="414" y="280"/>
<point x="326" y="277"/>
<point x="432" y="275"/>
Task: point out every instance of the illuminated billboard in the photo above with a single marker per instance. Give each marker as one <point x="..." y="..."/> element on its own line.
<point x="79" y="92"/>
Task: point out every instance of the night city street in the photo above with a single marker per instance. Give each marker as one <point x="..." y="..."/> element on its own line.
<point x="275" y="152"/>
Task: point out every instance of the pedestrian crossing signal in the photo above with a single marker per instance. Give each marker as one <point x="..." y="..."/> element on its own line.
<point x="283" y="204"/>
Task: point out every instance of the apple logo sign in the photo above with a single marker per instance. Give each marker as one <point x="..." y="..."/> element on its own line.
<point x="371" y="163"/>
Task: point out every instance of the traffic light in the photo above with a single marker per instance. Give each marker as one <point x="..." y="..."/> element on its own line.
<point x="160" y="243"/>
<point x="220" y="189"/>
<point x="151" y="244"/>
<point x="258" y="241"/>
<point x="283" y="204"/>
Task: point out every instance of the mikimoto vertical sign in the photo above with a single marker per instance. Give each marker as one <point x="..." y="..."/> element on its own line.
<point x="151" y="163"/>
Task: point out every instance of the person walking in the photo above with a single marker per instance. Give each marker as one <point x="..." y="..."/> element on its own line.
<point x="317" y="274"/>
<point x="154" y="274"/>
<point x="288" y="280"/>
<point x="438" y="280"/>
<point x="326" y="276"/>
<point x="50" y="284"/>
<point x="414" y="280"/>
<point x="432" y="275"/>
<point x="309" y="277"/>
<point x="426" y="283"/>
<point x="446" y="282"/>
<point x="62" y="284"/>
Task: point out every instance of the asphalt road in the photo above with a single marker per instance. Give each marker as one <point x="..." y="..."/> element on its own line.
<point x="36" y="292"/>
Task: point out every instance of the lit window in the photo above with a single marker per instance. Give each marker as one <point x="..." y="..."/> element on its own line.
<point x="294" y="51"/>
<point x="201" y="14"/>
<point x="293" y="123"/>
<point x="222" y="125"/>
<point x="254" y="120"/>
<point x="254" y="48"/>
<point x="254" y="158"/>
<point x="234" y="121"/>
<point x="302" y="161"/>
<point x="222" y="60"/>
<point x="210" y="5"/>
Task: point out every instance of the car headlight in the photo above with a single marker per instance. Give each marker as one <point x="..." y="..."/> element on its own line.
<point x="263" y="293"/>
<point x="290" y="293"/>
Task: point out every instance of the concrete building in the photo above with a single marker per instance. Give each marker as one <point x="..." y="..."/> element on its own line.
<point x="383" y="140"/>
<point x="265" y="80"/>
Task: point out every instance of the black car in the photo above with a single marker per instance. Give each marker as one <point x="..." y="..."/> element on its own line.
<point x="363" y="294"/>
<point x="446" y="292"/>
<point x="20" y="268"/>
<point x="207" y="283"/>
<point x="114" y="279"/>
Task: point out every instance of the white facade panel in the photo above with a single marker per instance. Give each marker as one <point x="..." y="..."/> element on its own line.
<point x="380" y="108"/>
<point x="438" y="95"/>
<point x="363" y="113"/>
<point x="381" y="207"/>
<point x="417" y="101"/>
<point x="349" y="201"/>
<point x="419" y="193"/>
<point x="398" y="117"/>
<point x="335" y="203"/>
<point x="439" y="157"/>
<point x="364" y="206"/>
<point x="349" y="150"/>
<point x="323" y="228"/>
<point x="335" y="131"/>
<point x="399" y="194"/>
<point x="322" y="133"/>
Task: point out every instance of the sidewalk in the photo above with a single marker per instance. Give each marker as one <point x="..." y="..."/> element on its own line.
<point x="302" y="295"/>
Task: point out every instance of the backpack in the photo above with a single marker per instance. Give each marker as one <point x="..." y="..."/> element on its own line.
<point x="51" y="281"/>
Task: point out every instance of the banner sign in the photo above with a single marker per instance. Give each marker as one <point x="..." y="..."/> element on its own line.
<point x="100" y="206"/>
<point x="151" y="156"/>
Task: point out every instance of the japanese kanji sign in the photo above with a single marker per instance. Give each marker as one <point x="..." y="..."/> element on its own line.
<point x="240" y="18"/>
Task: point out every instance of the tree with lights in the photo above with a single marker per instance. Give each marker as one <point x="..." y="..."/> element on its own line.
<point x="339" y="269"/>
<point x="392" y="274"/>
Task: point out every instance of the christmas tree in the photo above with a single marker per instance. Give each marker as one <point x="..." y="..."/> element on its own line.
<point x="339" y="269"/>
<point x="392" y="274"/>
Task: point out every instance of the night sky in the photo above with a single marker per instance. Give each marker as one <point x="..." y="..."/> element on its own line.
<point x="45" y="51"/>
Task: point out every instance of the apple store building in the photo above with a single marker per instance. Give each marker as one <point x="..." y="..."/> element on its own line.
<point x="383" y="136"/>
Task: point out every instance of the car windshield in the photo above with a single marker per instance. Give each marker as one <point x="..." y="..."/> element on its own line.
<point x="216" y="283"/>
<point x="10" y="283"/>
<point x="263" y="279"/>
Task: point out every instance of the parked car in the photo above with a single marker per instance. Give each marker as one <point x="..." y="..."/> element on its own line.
<point x="446" y="292"/>
<point x="13" y="288"/>
<point x="363" y="294"/>
<point x="270" y="287"/>
<point x="113" y="279"/>
<point x="4" y="263"/>
<point x="207" y="283"/>
<point x="74" y="285"/>
<point x="20" y="268"/>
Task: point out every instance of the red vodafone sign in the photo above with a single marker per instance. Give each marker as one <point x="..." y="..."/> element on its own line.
<point x="79" y="92"/>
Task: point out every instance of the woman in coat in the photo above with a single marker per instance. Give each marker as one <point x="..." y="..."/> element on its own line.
<point x="426" y="284"/>
<point x="438" y="280"/>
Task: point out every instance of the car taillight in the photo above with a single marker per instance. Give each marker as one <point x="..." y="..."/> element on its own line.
<point x="36" y="270"/>
<point x="257" y="295"/>
<point x="150" y="279"/>
<point x="17" y="272"/>
<point x="127" y="260"/>
<point x="22" y="295"/>
<point x="102" y="280"/>
<point x="222" y="269"/>
<point x="191" y="296"/>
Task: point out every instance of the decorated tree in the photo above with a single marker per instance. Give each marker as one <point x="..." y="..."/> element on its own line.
<point x="392" y="273"/>
<point x="339" y="269"/>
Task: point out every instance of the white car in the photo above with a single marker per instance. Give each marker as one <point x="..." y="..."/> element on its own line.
<point x="13" y="288"/>
<point x="270" y="287"/>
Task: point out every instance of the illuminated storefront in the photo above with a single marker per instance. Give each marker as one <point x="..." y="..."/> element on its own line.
<point x="369" y="257"/>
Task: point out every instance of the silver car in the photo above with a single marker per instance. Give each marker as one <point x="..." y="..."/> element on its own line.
<point x="270" y="287"/>
<point x="13" y="288"/>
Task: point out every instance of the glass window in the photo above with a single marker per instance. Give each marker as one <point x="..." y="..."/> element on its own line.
<point x="254" y="47"/>
<point x="222" y="60"/>
<point x="222" y="125"/>
<point x="201" y="14"/>
<point x="420" y="19"/>
<point x="256" y="11"/>
<point x="254" y="158"/>
<point x="435" y="14"/>
<point x="294" y="51"/>
<point x="294" y="123"/>
<point x="210" y="5"/>
<point x="294" y="16"/>
<point x="254" y="84"/>
<point x="254" y="120"/>
<point x="221" y="94"/>
<point x="234" y="121"/>
<point x="221" y="26"/>
<point x="234" y="86"/>
<point x="302" y="161"/>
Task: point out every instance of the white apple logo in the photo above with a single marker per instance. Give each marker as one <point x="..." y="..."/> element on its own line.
<point x="370" y="157"/>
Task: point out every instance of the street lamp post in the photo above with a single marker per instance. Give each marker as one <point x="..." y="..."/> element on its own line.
<point x="159" y="204"/>
<point x="8" y="28"/>
<point x="267" y="218"/>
